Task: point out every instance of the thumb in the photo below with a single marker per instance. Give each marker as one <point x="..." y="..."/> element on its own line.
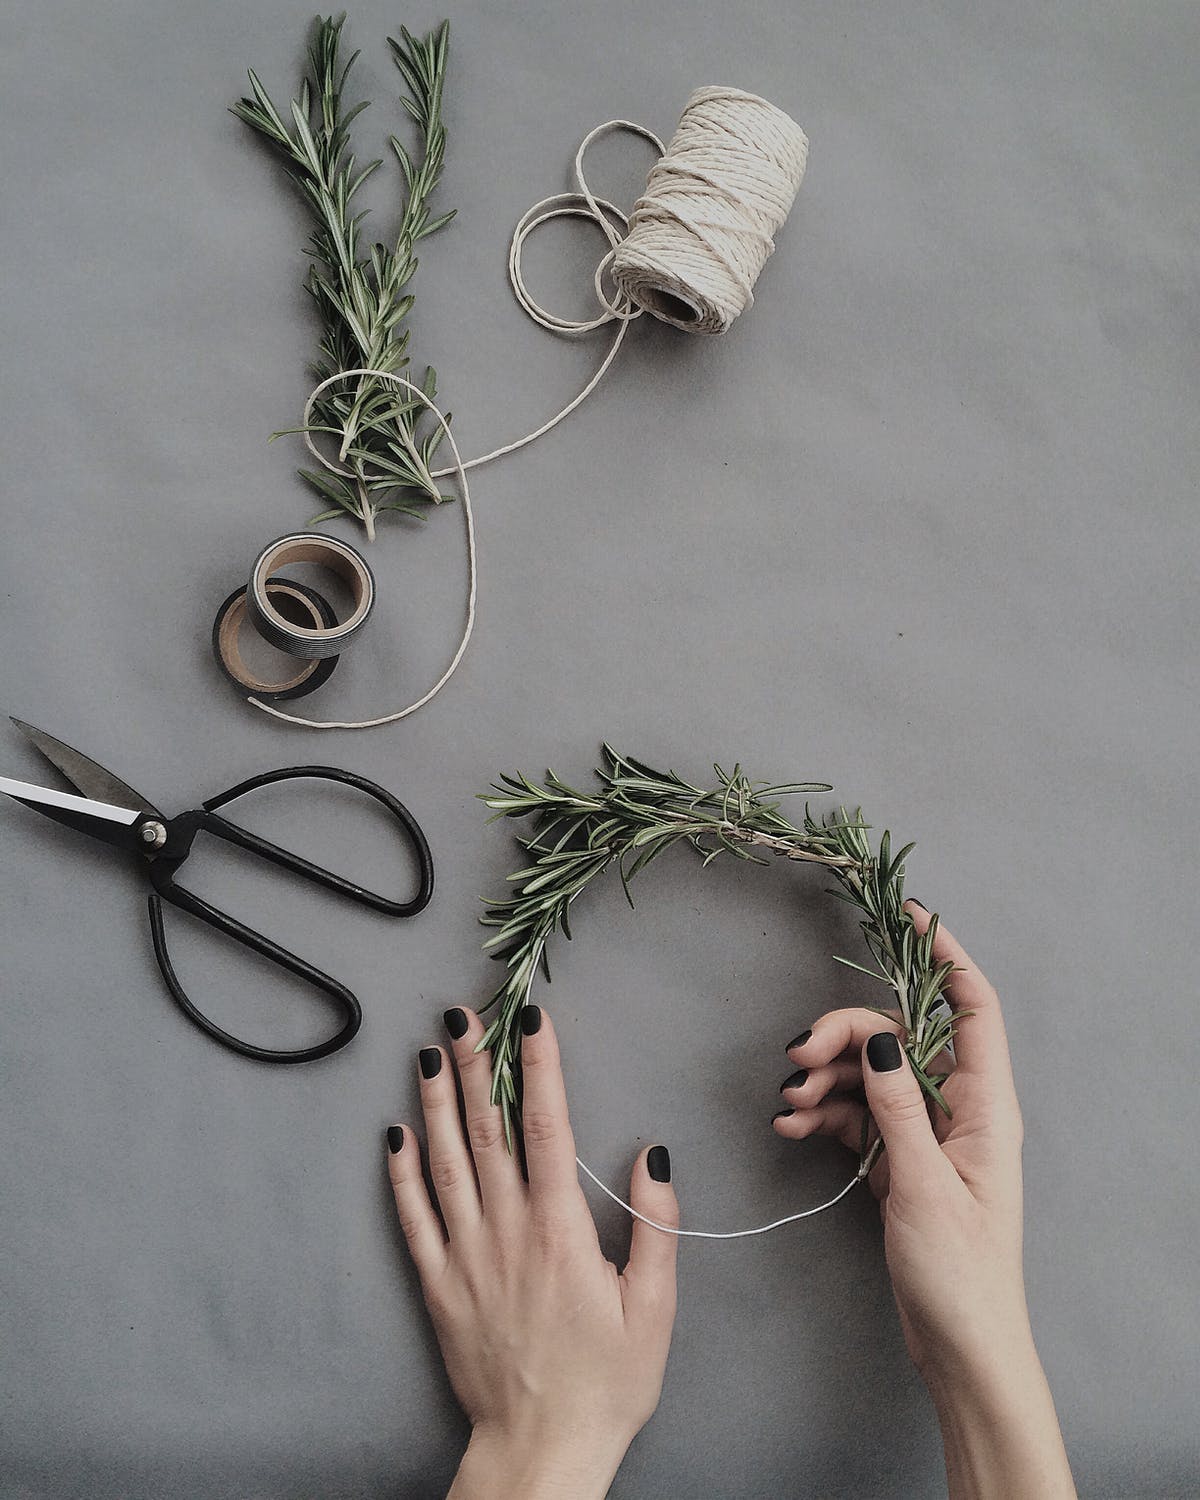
<point x="649" y="1278"/>
<point x="898" y="1107"/>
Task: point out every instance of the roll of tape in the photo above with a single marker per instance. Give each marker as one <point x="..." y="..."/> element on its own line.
<point x="309" y="641"/>
<point x="305" y="677"/>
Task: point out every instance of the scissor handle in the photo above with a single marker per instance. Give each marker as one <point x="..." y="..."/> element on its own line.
<point x="165" y="889"/>
<point x="222" y="828"/>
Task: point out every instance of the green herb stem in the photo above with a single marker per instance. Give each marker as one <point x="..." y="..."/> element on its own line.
<point x="361" y="298"/>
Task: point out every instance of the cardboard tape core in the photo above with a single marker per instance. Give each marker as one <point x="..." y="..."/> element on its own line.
<point x="307" y="676"/>
<point x="318" y="640"/>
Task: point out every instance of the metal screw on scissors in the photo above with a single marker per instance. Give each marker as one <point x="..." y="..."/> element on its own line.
<point x="115" y="814"/>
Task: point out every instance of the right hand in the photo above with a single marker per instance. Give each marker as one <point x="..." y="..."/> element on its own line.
<point x="950" y="1195"/>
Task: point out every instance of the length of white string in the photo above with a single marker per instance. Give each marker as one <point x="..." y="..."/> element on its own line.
<point x="709" y="1234"/>
<point x="458" y="468"/>
<point x="622" y="310"/>
<point x="696" y="1234"/>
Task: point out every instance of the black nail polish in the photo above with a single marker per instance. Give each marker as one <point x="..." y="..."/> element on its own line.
<point x="883" y="1052"/>
<point x="799" y="1077"/>
<point x="456" y="1022"/>
<point x="915" y="902"/>
<point x="799" y="1041"/>
<point x="430" y="1059"/>
<point x="782" y="1114"/>
<point x="395" y="1138"/>
<point x="531" y="1019"/>
<point x="658" y="1164"/>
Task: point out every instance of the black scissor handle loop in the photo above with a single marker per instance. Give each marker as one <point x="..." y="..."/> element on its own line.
<point x="230" y="832"/>
<point x="165" y="889"/>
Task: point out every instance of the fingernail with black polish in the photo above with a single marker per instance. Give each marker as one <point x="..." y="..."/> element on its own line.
<point x="799" y="1077"/>
<point x="915" y="902"/>
<point x="395" y="1136"/>
<point x="531" y="1019"/>
<point x="456" y="1022"/>
<point x="430" y="1059"/>
<point x="658" y="1164"/>
<point x="782" y="1114"/>
<point x="883" y="1052"/>
<point x="799" y="1041"/>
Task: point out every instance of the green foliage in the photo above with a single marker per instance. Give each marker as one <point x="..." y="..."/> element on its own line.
<point x="638" y="813"/>
<point x="361" y="298"/>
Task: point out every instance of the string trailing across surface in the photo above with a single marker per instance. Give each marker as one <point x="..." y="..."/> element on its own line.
<point x="637" y="814"/>
<point x="384" y="463"/>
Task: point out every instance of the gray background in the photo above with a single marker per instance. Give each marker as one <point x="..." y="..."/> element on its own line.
<point x="923" y="525"/>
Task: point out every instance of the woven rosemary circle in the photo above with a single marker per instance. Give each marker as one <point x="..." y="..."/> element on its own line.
<point x="635" y="814"/>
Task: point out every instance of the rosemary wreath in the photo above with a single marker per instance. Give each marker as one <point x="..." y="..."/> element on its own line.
<point x="637" y="814"/>
<point x="362" y="299"/>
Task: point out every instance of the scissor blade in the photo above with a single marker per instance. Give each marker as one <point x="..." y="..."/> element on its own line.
<point x="111" y="825"/>
<point x="92" y="780"/>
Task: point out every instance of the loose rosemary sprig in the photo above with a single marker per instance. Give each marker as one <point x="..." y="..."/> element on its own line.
<point x="362" y="300"/>
<point x="638" y="813"/>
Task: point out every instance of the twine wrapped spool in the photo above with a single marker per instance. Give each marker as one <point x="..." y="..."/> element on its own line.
<point x="701" y="233"/>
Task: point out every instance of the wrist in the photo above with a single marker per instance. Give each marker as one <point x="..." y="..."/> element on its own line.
<point x="999" y="1428"/>
<point x="970" y="1362"/>
<point x="538" y="1463"/>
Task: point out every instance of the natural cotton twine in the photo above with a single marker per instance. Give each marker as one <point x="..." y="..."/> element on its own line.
<point x="689" y="253"/>
<point x="703" y="229"/>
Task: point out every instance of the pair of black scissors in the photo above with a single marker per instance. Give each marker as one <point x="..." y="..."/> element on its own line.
<point x="115" y="814"/>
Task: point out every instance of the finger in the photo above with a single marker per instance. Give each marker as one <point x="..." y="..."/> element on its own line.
<point x="898" y="1107"/>
<point x="943" y="1062"/>
<point x="450" y="1167"/>
<point x="648" y="1281"/>
<point x="808" y="1086"/>
<point x="422" y="1231"/>
<point x="495" y="1165"/>
<point x="545" y="1125"/>
<point x="839" y="1031"/>
<point x="838" y="1117"/>
<point x="980" y="1042"/>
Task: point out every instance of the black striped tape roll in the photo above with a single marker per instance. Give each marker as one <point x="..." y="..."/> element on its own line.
<point x="304" y="677"/>
<point x="309" y="641"/>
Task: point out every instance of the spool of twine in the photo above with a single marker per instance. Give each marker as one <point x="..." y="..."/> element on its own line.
<point x="701" y="232"/>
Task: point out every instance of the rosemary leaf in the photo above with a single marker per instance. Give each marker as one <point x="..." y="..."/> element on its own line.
<point x="361" y="299"/>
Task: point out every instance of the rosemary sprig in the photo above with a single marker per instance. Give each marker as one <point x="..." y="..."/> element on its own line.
<point x="637" y="814"/>
<point x="361" y="299"/>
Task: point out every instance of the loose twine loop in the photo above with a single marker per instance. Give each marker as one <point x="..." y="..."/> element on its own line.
<point x="689" y="253"/>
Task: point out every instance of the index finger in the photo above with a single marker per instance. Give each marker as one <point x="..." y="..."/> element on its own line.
<point x="980" y="1041"/>
<point x="545" y="1125"/>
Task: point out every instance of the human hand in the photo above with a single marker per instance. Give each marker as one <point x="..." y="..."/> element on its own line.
<point x="949" y="1193"/>
<point x="556" y="1358"/>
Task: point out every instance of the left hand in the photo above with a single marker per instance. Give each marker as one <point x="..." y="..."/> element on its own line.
<point x="556" y="1358"/>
